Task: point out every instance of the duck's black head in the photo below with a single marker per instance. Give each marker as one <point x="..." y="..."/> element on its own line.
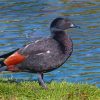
<point x="61" y="24"/>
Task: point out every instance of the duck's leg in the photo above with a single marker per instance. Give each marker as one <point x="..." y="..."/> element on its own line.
<point x="40" y="80"/>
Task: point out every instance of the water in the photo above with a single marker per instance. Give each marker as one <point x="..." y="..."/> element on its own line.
<point x="21" y="21"/>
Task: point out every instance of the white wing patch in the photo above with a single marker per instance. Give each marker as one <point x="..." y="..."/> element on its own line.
<point x="26" y="47"/>
<point x="40" y="54"/>
<point x="37" y="41"/>
<point x="48" y="51"/>
<point x="43" y="53"/>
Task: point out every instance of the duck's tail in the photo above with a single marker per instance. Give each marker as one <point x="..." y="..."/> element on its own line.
<point x="2" y="58"/>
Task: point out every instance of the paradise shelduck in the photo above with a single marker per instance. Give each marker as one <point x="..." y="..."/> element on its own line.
<point x="42" y="55"/>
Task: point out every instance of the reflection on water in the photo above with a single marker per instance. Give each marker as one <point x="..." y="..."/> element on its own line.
<point x="22" y="21"/>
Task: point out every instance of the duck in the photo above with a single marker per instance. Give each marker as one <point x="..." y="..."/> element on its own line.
<point x="43" y="55"/>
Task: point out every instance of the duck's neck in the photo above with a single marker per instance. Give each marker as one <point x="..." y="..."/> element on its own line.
<point x="63" y="39"/>
<point x="60" y="36"/>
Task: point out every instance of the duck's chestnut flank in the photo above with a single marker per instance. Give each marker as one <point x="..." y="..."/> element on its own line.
<point x="43" y="55"/>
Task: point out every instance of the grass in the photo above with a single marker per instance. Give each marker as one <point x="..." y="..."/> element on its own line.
<point x="56" y="91"/>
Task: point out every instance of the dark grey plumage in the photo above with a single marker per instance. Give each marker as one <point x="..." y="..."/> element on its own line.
<point x="44" y="55"/>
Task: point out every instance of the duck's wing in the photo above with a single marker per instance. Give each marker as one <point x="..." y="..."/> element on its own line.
<point x="20" y="55"/>
<point x="6" y="55"/>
